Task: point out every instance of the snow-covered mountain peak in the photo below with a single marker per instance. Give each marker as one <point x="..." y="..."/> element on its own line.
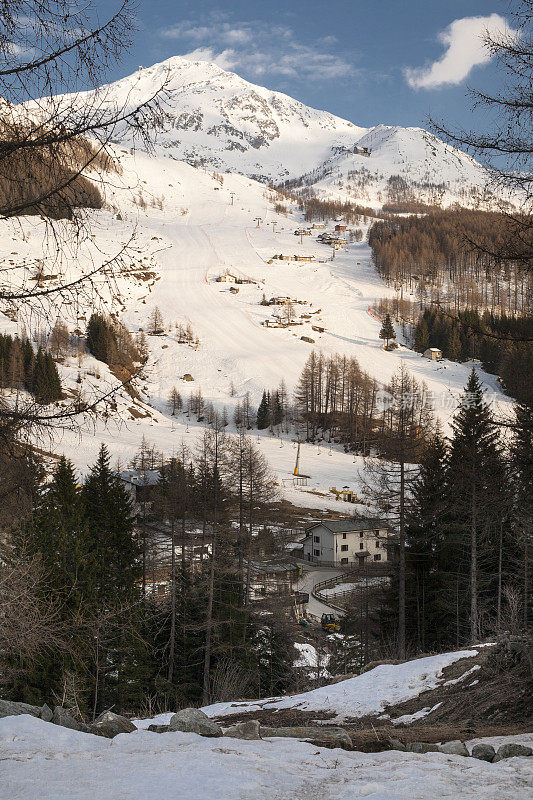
<point x="217" y="119"/>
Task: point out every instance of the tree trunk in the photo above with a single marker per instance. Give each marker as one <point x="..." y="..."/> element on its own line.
<point x="473" y="573"/>
<point x="172" y="642"/>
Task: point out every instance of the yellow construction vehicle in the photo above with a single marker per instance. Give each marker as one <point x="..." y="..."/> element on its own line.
<point x="330" y="623"/>
<point x="345" y="494"/>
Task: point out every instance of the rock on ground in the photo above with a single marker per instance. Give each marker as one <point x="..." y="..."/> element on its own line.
<point x="455" y="748"/>
<point x="511" y="750"/>
<point x="422" y="747"/>
<point x="11" y="709"/>
<point x="192" y="720"/>
<point x="64" y="718"/>
<point x="485" y="752"/>
<point x="109" y="724"/>
<point x="244" y="730"/>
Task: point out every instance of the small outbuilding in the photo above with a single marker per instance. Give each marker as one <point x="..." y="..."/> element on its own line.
<point x="433" y="353"/>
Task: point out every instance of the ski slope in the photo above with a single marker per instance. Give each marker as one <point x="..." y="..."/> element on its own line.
<point x="189" y="230"/>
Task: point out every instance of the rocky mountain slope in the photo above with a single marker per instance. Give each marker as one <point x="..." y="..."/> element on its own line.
<point x="218" y="120"/>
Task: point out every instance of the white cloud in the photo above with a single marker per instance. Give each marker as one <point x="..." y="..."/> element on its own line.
<point x="258" y="49"/>
<point x="465" y="49"/>
<point x="225" y="60"/>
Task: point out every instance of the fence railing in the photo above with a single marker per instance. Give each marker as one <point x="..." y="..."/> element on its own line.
<point x="367" y="571"/>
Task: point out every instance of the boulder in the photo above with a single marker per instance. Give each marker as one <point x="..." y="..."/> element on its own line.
<point x="12" y="709"/>
<point x="422" y="747"/>
<point x="63" y="717"/>
<point x="485" y="752"/>
<point x="395" y="744"/>
<point x="158" y="728"/>
<point x="109" y="724"/>
<point x="511" y="750"/>
<point x="320" y="735"/>
<point x="244" y="730"/>
<point x="455" y="748"/>
<point x="192" y="720"/>
<point x="46" y="713"/>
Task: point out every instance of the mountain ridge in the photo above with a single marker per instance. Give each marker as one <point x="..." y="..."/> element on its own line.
<point x="217" y="120"/>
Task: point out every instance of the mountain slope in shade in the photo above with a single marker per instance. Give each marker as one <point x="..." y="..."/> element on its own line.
<point x="217" y="120"/>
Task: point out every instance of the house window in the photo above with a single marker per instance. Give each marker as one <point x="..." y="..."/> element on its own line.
<point x="361" y="545"/>
<point x="377" y="557"/>
<point x="377" y="545"/>
<point x="344" y="560"/>
<point x="344" y="536"/>
<point x="316" y="552"/>
<point x="344" y="547"/>
<point x="317" y="538"/>
<point x="361" y="535"/>
<point x="377" y="533"/>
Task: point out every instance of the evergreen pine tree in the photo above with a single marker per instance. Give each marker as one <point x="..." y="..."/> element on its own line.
<point x="475" y="476"/>
<point x="453" y="348"/>
<point x="263" y="413"/>
<point x="46" y="385"/>
<point x="111" y="522"/>
<point x="522" y="478"/>
<point x="421" y="343"/>
<point x="430" y="553"/>
<point x="387" y="330"/>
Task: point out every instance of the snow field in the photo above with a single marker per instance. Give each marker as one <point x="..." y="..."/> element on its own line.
<point x="41" y="761"/>
<point x="197" y="235"/>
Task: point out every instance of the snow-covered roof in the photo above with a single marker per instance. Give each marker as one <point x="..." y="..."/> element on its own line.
<point x="145" y="477"/>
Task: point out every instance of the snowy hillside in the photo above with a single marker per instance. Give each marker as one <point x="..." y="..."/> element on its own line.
<point x="364" y="695"/>
<point x="218" y="120"/>
<point x="405" y="164"/>
<point x="45" y="761"/>
<point x="191" y="225"/>
<point x="189" y="230"/>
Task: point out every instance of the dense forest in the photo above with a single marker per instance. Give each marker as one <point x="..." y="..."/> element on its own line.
<point x="468" y="533"/>
<point x="98" y="635"/>
<point x="457" y="259"/>
<point x="22" y="368"/>
<point x="28" y="180"/>
<point x="502" y="344"/>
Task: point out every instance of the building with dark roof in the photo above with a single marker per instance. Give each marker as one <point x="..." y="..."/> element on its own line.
<point x="345" y="542"/>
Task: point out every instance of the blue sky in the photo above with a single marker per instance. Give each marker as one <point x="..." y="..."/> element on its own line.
<point x="390" y="61"/>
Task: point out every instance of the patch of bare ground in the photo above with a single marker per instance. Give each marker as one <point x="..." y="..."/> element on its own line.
<point x="494" y="699"/>
<point x="498" y="693"/>
<point x="282" y="718"/>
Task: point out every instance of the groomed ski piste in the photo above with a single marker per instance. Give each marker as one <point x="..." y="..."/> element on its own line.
<point x="41" y="761"/>
<point x="189" y="229"/>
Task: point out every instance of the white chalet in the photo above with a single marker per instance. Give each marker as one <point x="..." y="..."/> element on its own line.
<point x="433" y="353"/>
<point x="346" y="541"/>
